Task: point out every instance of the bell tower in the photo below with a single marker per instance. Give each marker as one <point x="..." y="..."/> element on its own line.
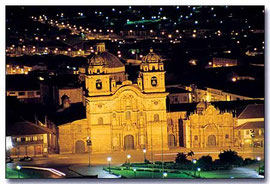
<point x="152" y="75"/>
<point x="97" y="77"/>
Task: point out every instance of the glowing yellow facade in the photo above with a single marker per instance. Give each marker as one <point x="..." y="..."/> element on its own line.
<point x="209" y="128"/>
<point x="127" y="116"/>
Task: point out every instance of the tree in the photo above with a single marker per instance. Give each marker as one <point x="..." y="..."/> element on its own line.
<point x="230" y="157"/>
<point x="181" y="158"/>
<point x="191" y="153"/>
<point x="205" y="162"/>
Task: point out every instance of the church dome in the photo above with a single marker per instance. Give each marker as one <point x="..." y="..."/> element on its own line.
<point x="104" y="58"/>
<point x="96" y="60"/>
<point x="112" y="60"/>
<point x="151" y="57"/>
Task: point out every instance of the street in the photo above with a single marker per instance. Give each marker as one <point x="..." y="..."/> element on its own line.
<point x="75" y="165"/>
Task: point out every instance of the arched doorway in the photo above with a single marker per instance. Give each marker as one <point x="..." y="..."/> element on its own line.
<point x="38" y="150"/>
<point x="171" y="141"/>
<point x="30" y="151"/>
<point x="22" y="151"/>
<point x="211" y="140"/>
<point x="13" y="152"/>
<point x="128" y="142"/>
<point x="79" y="146"/>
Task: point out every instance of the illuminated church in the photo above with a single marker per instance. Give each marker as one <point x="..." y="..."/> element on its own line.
<point x="122" y="115"/>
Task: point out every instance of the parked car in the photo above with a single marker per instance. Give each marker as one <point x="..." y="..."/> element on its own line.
<point x="9" y="159"/>
<point x="26" y="159"/>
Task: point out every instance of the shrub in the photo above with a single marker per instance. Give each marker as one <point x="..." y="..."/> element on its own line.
<point x="181" y="158"/>
<point x="206" y="162"/>
<point x="230" y="157"/>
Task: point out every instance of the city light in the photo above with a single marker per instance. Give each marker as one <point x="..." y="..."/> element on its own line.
<point x="109" y="159"/>
<point x="165" y="174"/>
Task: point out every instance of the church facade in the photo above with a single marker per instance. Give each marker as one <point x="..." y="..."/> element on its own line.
<point x="122" y="115"/>
<point x="207" y="127"/>
<point x="127" y="116"/>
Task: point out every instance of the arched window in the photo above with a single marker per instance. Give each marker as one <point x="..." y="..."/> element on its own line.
<point x="98" y="71"/>
<point x="98" y="84"/>
<point x="156" y="117"/>
<point x="227" y="136"/>
<point x="154" y="81"/>
<point x="128" y="115"/>
<point x="195" y="137"/>
<point x="170" y="122"/>
<point x="100" y="120"/>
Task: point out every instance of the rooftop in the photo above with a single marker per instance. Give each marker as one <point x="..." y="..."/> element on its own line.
<point x="251" y="125"/>
<point x="74" y="112"/>
<point x="252" y="111"/>
<point x="26" y="128"/>
<point x="235" y="106"/>
<point x="174" y="90"/>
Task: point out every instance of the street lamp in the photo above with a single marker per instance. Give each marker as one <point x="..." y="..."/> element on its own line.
<point x="194" y="161"/>
<point x="109" y="160"/>
<point x="134" y="172"/>
<point x="18" y="168"/>
<point x="165" y="175"/>
<point x="144" y="151"/>
<point x="258" y="159"/>
<point x="199" y="170"/>
<point x="128" y="160"/>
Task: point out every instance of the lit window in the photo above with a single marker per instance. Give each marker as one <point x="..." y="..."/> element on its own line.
<point x="154" y="81"/>
<point x="98" y="84"/>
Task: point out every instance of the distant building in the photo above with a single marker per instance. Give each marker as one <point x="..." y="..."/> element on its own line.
<point x="29" y="139"/>
<point x="208" y="94"/>
<point x="53" y="90"/>
<point x="250" y="126"/>
<point x="24" y="87"/>
<point x="17" y="69"/>
<point x="178" y="95"/>
<point x="222" y="62"/>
